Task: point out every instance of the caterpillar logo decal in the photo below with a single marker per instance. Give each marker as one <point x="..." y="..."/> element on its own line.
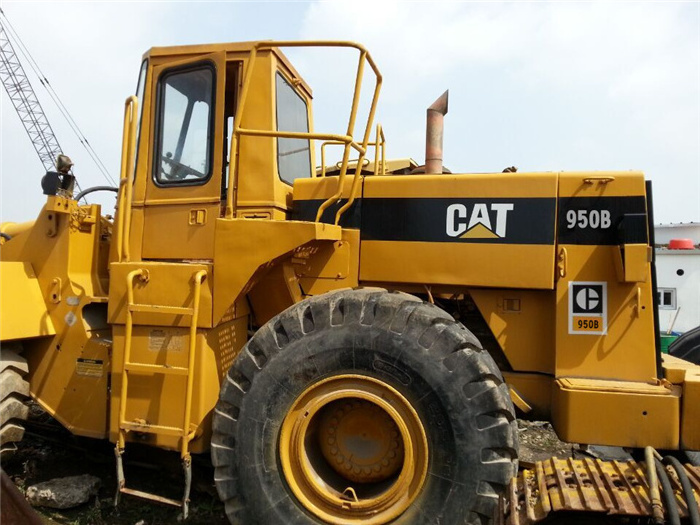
<point x="484" y="222"/>
<point x="478" y="220"/>
<point x="588" y="307"/>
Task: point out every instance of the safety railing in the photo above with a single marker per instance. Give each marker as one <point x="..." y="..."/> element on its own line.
<point x="379" y="156"/>
<point x="346" y="140"/>
<point x="125" y="178"/>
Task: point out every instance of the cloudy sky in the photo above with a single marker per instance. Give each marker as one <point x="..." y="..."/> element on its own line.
<point x="539" y="85"/>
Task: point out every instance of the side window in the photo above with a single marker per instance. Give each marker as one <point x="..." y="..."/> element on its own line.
<point x="185" y="126"/>
<point x="293" y="155"/>
<point x="140" y="89"/>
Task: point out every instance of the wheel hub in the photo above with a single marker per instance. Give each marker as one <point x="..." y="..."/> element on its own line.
<point x="353" y="449"/>
<point x="360" y="441"/>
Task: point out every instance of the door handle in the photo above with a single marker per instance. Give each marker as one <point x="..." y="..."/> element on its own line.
<point x="198" y="217"/>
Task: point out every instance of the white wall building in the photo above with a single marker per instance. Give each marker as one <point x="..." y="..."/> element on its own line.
<point x="678" y="277"/>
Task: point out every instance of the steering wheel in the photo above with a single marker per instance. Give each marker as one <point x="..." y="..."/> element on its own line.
<point x="178" y="170"/>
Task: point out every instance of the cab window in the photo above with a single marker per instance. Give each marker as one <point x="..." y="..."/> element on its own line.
<point x="140" y="89"/>
<point x="185" y="126"/>
<point x="293" y="155"/>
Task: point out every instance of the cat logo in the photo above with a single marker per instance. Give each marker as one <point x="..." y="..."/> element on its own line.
<point x="485" y="221"/>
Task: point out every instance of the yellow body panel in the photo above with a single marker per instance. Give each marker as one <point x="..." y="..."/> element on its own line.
<point x="169" y="284"/>
<point x="675" y="368"/>
<point x="622" y="347"/>
<point x="690" y="417"/>
<point x="69" y="352"/>
<point x="159" y="399"/>
<point x="522" y="323"/>
<point x="456" y="264"/>
<point x="481" y="245"/>
<point x="238" y="245"/>
<point x="617" y="413"/>
<point x="22" y="303"/>
<point x="626" y="350"/>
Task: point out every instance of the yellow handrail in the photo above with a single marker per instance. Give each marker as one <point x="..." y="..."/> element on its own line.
<point x="128" y="329"/>
<point x="377" y="146"/>
<point x="125" y="178"/>
<point x="186" y="435"/>
<point x="347" y="139"/>
<point x="380" y="148"/>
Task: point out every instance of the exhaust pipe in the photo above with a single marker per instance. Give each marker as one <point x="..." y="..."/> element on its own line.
<point x="434" y="133"/>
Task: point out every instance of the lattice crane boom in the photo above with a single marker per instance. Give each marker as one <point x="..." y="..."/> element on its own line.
<point x="26" y="103"/>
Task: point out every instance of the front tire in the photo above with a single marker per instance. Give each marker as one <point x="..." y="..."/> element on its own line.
<point x="384" y="373"/>
<point x="14" y="392"/>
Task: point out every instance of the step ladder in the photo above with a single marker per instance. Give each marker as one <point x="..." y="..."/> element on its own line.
<point x="184" y="432"/>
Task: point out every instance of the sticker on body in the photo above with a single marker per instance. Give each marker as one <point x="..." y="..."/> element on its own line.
<point x="588" y="308"/>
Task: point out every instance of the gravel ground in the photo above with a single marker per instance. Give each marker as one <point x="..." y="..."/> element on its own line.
<point x="48" y="452"/>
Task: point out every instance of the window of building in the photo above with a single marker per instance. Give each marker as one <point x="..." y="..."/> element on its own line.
<point x="185" y="126"/>
<point x="293" y="155"/>
<point x="667" y="298"/>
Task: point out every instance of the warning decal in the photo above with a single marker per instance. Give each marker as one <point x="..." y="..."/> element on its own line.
<point x="169" y="340"/>
<point x="588" y="308"/>
<point x="89" y="367"/>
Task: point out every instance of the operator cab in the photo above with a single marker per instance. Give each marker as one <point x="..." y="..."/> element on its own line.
<point x="188" y="97"/>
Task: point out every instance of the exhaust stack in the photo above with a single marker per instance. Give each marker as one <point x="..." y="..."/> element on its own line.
<point x="434" y="134"/>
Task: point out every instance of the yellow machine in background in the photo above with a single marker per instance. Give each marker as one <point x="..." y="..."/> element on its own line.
<point x="348" y="342"/>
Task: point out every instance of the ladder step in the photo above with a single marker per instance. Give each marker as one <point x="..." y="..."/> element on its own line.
<point x="150" y="497"/>
<point x="143" y="368"/>
<point x="151" y="429"/>
<point x="160" y="309"/>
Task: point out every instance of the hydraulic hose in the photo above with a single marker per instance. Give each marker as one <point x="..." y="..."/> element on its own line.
<point x="657" y="508"/>
<point x="672" y="512"/>
<point x="5" y="236"/>
<point x="693" y="512"/>
<point x="94" y="189"/>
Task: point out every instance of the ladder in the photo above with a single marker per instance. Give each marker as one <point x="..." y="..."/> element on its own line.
<point x="184" y="432"/>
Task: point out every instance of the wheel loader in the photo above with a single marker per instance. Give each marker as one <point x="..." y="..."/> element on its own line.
<point x="350" y="343"/>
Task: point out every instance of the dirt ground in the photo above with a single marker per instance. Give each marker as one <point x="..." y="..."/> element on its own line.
<point x="48" y="452"/>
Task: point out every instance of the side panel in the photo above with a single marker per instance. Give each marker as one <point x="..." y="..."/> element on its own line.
<point x="60" y="266"/>
<point x="461" y="230"/>
<point x="604" y="323"/>
<point x="616" y="413"/>
<point x="160" y="399"/>
<point x="22" y="304"/>
<point x="522" y="321"/>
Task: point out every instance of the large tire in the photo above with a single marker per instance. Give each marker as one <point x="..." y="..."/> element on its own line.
<point x="406" y="348"/>
<point x="687" y="346"/>
<point x="14" y="392"/>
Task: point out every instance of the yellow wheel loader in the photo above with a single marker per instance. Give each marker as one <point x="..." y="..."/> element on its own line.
<point x="349" y="342"/>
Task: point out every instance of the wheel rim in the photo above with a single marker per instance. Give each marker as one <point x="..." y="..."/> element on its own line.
<point x="353" y="449"/>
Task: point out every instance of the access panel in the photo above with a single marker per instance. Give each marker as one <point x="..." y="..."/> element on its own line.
<point x="493" y="230"/>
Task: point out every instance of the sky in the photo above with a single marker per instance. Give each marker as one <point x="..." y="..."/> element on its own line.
<point x="544" y="86"/>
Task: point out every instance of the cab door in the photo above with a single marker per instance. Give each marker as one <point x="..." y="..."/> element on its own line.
<point x="183" y="191"/>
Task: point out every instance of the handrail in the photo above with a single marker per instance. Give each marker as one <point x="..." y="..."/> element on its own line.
<point x="347" y="139"/>
<point x="198" y="279"/>
<point x="124" y="196"/>
<point x="377" y="146"/>
<point x="128" y="330"/>
<point x="323" y="154"/>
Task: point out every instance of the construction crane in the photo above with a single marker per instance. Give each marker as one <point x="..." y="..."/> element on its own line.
<point x="26" y="103"/>
<point x="18" y="87"/>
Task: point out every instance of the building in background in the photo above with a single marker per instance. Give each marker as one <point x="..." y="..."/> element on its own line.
<point x="678" y="276"/>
